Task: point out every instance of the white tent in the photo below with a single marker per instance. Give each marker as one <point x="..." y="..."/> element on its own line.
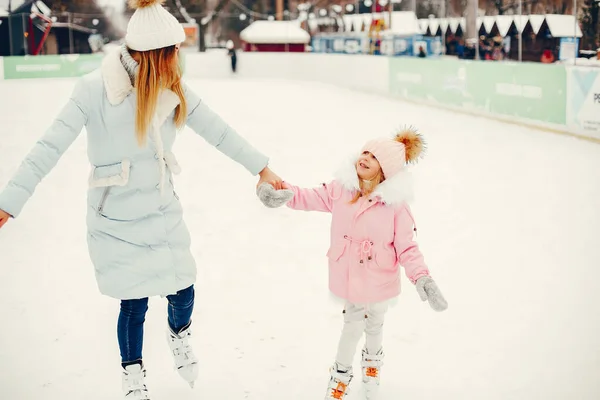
<point x="563" y="26"/>
<point x="536" y="22"/>
<point x="347" y="23"/>
<point x="521" y="23"/>
<point x="405" y="23"/>
<point x="504" y="22"/>
<point x="559" y="25"/>
<point x="275" y="32"/>
<point x="433" y="25"/>
<point x="488" y="23"/>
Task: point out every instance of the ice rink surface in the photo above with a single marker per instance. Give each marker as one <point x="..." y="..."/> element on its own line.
<point x="508" y="219"/>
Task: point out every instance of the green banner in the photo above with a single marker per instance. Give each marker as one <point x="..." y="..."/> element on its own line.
<point x="434" y="80"/>
<point x="63" y="66"/>
<point x="526" y="90"/>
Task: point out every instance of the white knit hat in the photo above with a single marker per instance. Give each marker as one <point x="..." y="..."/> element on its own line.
<point x="152" y="27"/>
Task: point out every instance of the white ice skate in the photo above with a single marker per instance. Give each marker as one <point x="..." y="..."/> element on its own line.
<point x="371" y="371"/>
<point x="134" y="387"/>
<point x="338" y="383"/>
<point x="186" y="362"/>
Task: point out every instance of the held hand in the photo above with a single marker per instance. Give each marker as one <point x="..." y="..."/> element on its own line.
<point x="428" y="290"/>
<point x="272" y="198"/>
<point x="268" y="176"/>
<point x="3" y="218"/>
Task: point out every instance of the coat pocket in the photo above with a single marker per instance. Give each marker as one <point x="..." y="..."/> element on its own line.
<point x="385" y="259"/>
<point x="103" y="179"/>
<point x="100" y="207"/>
<point x="110" y="175"/>
<point x="336" y="251"/>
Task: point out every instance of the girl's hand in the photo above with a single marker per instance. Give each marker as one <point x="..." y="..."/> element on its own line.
<point x="268" y="176"/>
<point x="428" y="290"/>
<point x="272" y="198"/>
<point x="3" y="218"/>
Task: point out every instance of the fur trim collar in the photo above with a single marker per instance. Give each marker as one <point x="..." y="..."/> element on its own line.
<point x="116" y="79"/>
<point x="393" y="191"/>
<point x="118" y="86"/>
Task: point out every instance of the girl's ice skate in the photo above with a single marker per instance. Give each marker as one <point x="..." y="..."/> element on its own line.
<point x="371" y="370"/>
<point x="338" y="383"/>
<point x="134" y="387"/>
<point x="186" y="362"/>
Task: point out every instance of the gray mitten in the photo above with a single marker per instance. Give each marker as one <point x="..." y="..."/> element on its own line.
<point x="428" y="290"/>
<point x="273" y="198"/>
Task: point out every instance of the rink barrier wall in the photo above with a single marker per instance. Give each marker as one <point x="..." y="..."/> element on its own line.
<point x="555" y="98"/>
<point x="365" y="73"/>
<point x="54" y="66"/>
<point x="63" y="66"/>
<point x="522" y="90"/>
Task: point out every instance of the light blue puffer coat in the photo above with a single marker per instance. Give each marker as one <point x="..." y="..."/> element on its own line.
<point x="138" y="242"/>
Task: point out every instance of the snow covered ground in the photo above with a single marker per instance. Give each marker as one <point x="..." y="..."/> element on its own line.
<point x="508" y="221"/>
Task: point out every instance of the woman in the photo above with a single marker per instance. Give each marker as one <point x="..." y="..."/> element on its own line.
<point x="139" y="245"/>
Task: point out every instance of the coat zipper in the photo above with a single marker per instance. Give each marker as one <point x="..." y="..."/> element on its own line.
<point x="103" y="199"/>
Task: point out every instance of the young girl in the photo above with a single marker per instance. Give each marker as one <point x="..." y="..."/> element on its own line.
<point x="371" y="234"/>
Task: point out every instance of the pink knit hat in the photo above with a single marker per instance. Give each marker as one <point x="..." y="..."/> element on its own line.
<point x="394" y="153"/>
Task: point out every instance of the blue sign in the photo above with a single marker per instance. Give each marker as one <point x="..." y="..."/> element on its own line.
<point x="389" y="46"/>
<point x="569" y="48"/>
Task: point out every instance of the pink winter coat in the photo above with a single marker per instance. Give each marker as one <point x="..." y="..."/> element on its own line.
<point x="369" y="239"/>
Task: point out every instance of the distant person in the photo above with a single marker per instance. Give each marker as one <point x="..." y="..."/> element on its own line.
<point x="484" y="49"/>
<point x="138" y="242"/>
<point x="460" y="48"/>
<point x="422" y="53"/>
<point x="232" y="54"/>
<point x="547" y="57"/>
<point x="470" y="50"/>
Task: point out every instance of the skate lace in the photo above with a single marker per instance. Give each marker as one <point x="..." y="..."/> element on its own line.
<point x="182" y="351"/>
<point x="339" y="391"/>
<point x="136" y="389"/>
<point x="372" y="372"/>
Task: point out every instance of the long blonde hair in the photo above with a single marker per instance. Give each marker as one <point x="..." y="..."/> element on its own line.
<point x="158" y="69"/>
<point x="368" y="187"/>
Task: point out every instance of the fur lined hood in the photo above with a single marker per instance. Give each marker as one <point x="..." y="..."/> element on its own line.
<point x="393" y="191"/>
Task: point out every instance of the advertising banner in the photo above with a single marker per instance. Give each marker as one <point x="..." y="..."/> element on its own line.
<point x="525" y="90"/>
<point x="58" y="66"/>
<point x="583" y="101"/>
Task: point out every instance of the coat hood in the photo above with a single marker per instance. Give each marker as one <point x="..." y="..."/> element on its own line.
<point x="393" y="191"/>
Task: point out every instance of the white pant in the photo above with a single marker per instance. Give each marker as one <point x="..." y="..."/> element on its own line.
<point x="359" y="319"/>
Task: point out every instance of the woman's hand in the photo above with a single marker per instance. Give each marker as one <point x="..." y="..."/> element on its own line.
<point x="3" y="218"/>
<point x="268" y="176"/>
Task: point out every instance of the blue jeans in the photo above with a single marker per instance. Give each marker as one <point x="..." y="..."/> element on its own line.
<point x="130" y="328"/>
